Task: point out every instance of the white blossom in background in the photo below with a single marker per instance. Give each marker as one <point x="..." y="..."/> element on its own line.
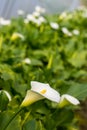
<point x="7" y="94"/>
<point x="4" y="21"/>
<point x="63" y="15"/>
<point x="85" y="14"/>
<point x="42" y="19"/>
<point x="30" y="17"/>
<point x="54" y="25"/>
<point x="36" y="17"/>
<point x="66" y="31"/>
<point x="36" y="14"/>
<point x="39" y="9"/>
<point x="37" y="20"/>
<point x="16" y="35"/>
<point x="26" y="21"/>
<point x="20" y="12"/>
<point x="27" y="61"/>
<point x="76" y="32"/>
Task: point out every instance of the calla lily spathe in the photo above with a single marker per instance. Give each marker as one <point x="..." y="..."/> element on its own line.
<point x="68" y="99"/>
<point x="30" y="98"/>
<point x="45" y="90"/>
<point x="7" y="94"/>
<point x="40" y="91"/>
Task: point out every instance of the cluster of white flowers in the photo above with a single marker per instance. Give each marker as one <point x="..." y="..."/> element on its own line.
<point x="36" y="17"/>
<point x="40" y="91"/>
<point x="4" y="22"/>
<point x="84" y="11"/>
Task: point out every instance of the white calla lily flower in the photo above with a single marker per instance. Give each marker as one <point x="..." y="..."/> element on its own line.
<point x="30" y="17"/>
<point x="39" y="9"/>
<point x="36" y="14"/>
<point x="4" y="22"/>
<point x="45" y="90"/>
<point x="40" y="91"/>
<point x="27" y="61"/>
<point x="66" y="31"/>
<point x="30" y="98"/>
<point x="68" y="99"/>
<point x="63" y="15"/>
<point x="76" y="32"/>
<point x="42" y="19"/>
<point x="16" y="35"/>
<point x="7" y="94"/>
<point x="54" y="25"/>
<point x="26" y="21"/>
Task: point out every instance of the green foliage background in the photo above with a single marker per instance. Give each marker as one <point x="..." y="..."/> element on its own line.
<point x="56" y="58"/>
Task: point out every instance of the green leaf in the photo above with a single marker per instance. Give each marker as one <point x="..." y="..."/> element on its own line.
<point x="78" y="90"/>
<point x="30" y="125"/>
<point x="14" y="125"/>
<point x="20" y="88"/>
<point x="78" y="58"/>
<point x="39" y="126"/>
<point x="6" y="72"/>
<point x="64" y="116"/>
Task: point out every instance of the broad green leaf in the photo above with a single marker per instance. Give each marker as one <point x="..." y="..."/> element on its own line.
<point x="6" y="72"/>
<point x="78" y="90"/>
<point x="78" y="58"/>
<point x="64" y="117"/>
<point x="39" y="126"/>
<point x="20" y="88"/>
<point x="15" y="124"/>
<point x="30" y="125"/>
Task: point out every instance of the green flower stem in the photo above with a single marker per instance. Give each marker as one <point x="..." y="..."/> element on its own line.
<point x="11" y="119"/>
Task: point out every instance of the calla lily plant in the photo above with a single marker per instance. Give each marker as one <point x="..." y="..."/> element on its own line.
<point x="40" y="91"/>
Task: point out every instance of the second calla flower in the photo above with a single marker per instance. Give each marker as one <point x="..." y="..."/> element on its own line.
<point x="67" y="99"/>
